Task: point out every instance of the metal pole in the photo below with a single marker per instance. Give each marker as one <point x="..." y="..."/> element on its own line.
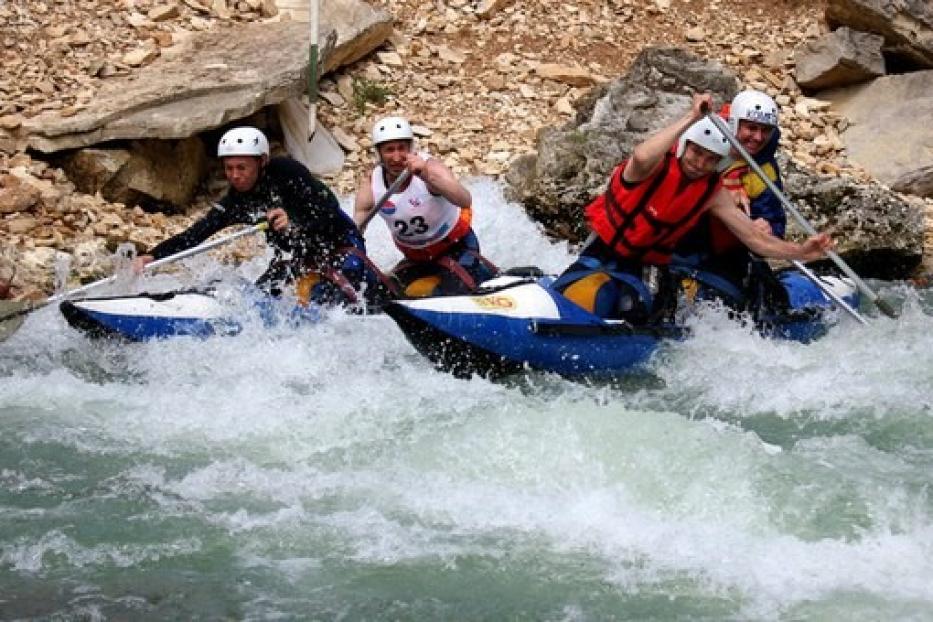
<point x="313" y="8"/>
<point x="883" y="305"/>
<point x="385" y="197"/>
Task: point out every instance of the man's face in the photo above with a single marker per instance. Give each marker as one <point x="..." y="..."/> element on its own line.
<point x="753" y="135"/>
<point x="242" y="171"/>
<point x="394" y="154"/>
<point x="698" y="162"/>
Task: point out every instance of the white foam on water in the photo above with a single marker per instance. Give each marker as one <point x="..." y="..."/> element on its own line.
<point x="336" y="444"/>
<point x="881" y="368"/>
<point x="54" y="548"/>
<point x="654" y="496"/>
<point x="17" y="481"/>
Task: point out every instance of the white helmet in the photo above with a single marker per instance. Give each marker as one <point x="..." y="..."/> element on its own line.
<point x="752" y="106"/>
<point x="243" y="141"/>
<point x="705" y="134"/>
<point x="392" y="128"/>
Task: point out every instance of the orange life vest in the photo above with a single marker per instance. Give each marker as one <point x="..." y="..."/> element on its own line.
<point x="646" y="220"/>
<point x="435" y="250"/>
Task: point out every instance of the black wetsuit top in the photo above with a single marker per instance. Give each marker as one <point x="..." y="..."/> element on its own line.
<point x="317" y="229"/>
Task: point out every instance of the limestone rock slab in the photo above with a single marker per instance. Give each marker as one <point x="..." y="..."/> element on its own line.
<point x="841" y="58"/>
<point x="907" y="25"/>
<point x="210" y="79"/>
<point x="360" y="28"/>
<point x="213" y="79"/>
<point x="890" y="134"/>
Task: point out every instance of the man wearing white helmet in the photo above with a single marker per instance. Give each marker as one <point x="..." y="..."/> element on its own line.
<point x="653" y="199"/>
<point x="429" y="216"/>
<point x="753" y="119"/>
<point x="315" y="242"/>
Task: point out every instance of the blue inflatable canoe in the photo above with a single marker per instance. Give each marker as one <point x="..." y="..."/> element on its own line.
<point x="514" y="324"/>
<point x="187" y="313"/>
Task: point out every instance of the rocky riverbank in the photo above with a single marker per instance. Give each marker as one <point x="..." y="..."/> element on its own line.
<point x="480" y="78"/>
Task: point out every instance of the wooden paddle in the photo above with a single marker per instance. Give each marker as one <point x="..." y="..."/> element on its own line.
<point x="12" y="318"/>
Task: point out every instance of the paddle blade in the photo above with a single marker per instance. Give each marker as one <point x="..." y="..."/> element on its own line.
<point x="885" y="307"/>
<point x="322" y="155"/>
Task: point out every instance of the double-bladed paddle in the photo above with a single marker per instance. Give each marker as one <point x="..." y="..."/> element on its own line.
<point x="201" y="248"/>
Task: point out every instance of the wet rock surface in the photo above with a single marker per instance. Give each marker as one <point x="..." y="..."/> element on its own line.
<point x="879" y="232"/>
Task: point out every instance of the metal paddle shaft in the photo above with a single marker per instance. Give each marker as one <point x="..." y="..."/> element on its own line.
<point x="385" y="197"/>
<point x="829" y="293"/>
<point x="313" y="53"/>
<point x="883" y="305"/>
<point x="201" y="248"/>
<point x="823" y="287"/>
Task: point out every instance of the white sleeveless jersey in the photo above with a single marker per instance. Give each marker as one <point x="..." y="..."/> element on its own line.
<point x="415" y="217"/>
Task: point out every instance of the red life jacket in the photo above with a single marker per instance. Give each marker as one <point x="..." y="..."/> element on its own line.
<point x="722" y="240"/>
<point x="645" y="221"/>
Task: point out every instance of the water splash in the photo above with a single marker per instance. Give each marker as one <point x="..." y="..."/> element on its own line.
<point x="325" y="471"/>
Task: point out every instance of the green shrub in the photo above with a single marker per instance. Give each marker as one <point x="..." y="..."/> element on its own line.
<point x="367" y="91"/>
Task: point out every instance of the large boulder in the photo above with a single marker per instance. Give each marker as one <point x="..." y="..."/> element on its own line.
<point x="841" y="58"/>
<point x="210" y="79"/>
<point x="573" y="162"/>
<point x="918" y="181"/>
<point x="887" y="135"/>
<point x="878" y="232"/>
<point x="16" y="195"/>
<point x="906" y="25"/>
<point x="162" y="174"/>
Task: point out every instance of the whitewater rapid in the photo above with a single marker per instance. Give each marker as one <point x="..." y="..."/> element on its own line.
<point x="330" y="472"/>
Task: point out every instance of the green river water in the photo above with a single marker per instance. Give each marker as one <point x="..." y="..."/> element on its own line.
<point x="329" y="473"/>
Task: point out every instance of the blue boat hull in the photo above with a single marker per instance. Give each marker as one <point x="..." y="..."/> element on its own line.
<point x="145" y="317"/>
<point x="521" y="324"/>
